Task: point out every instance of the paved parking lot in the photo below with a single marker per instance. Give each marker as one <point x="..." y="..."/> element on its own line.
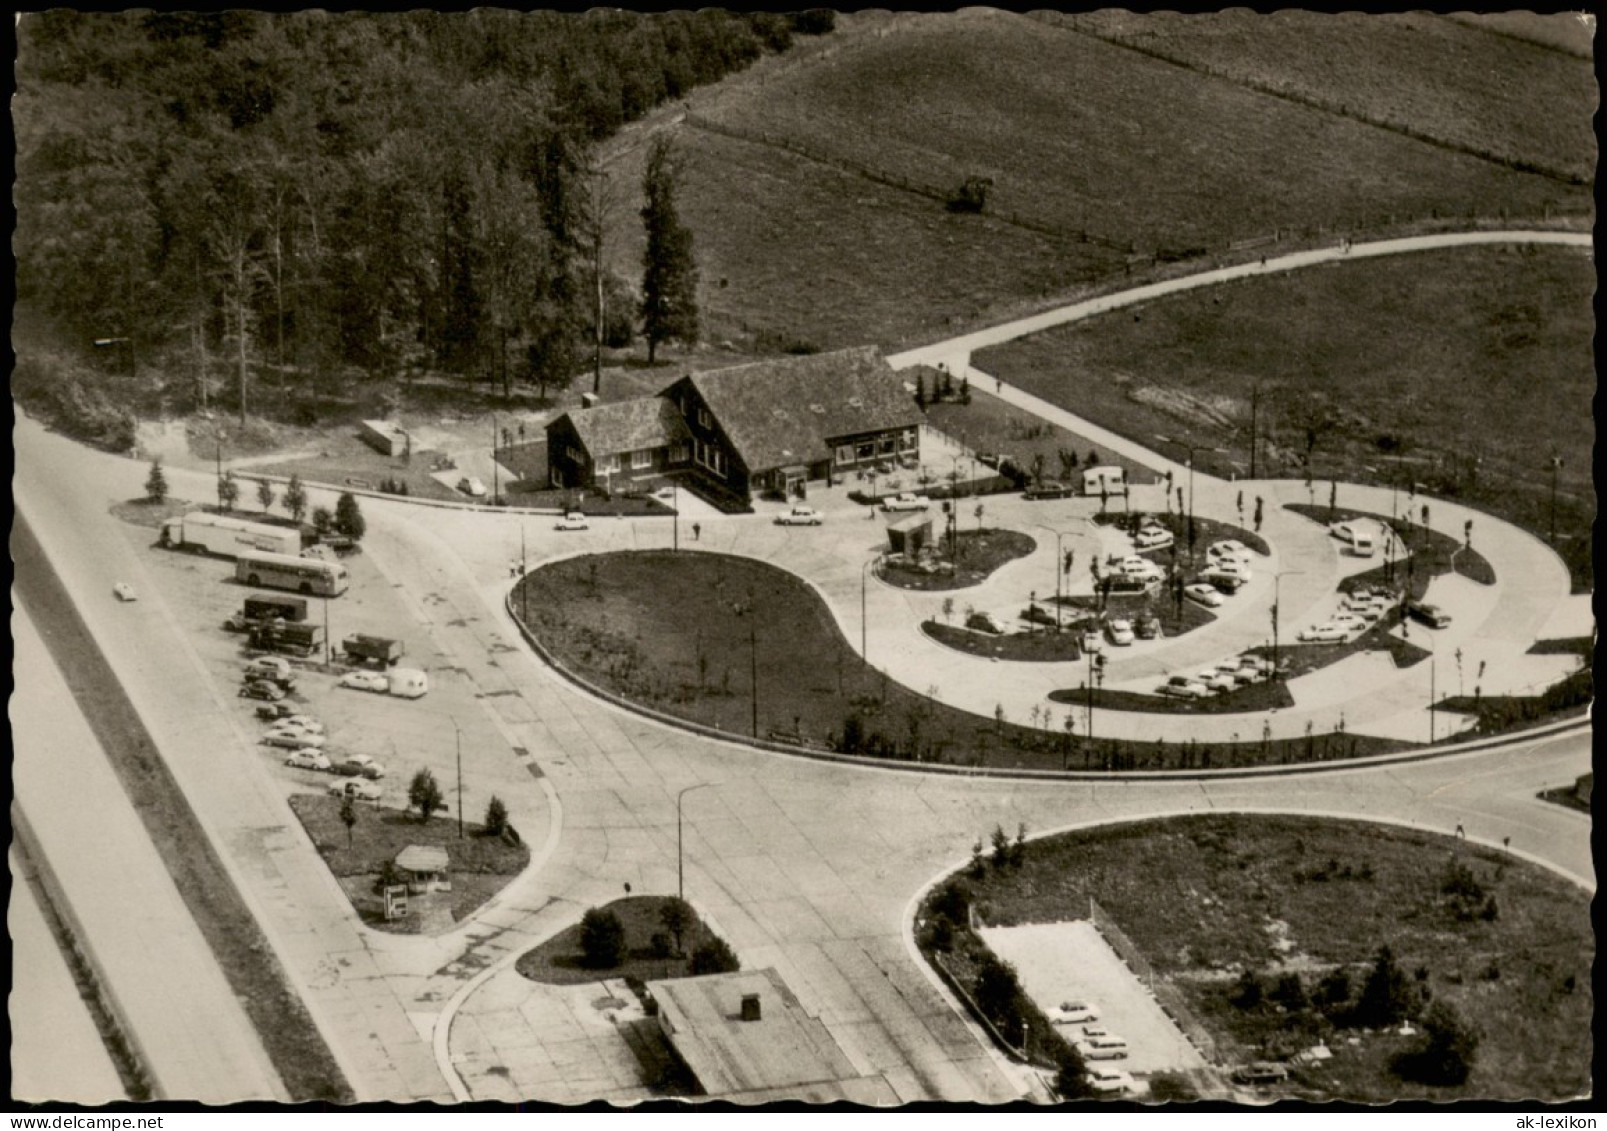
<point x="1060" y="961"/>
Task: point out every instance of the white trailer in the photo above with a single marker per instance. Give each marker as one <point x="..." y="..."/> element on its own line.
<point x="1107" y="480"/>
<point x="409" y="683"/>
<point x="228" y="537"/>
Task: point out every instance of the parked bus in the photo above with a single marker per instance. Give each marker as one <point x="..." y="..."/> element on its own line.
<point x="286" y="571"/>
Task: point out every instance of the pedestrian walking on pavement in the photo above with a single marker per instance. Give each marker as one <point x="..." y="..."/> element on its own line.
<point x="998" y="384"/>
<point x="697" y="531"/>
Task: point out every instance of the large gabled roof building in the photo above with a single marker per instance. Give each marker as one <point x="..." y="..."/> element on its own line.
<point x="769" y="426"/>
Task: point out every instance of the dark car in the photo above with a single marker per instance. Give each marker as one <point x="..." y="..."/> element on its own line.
<point x="262" y="689"/>
<point x="1147" y="628"/>
<point x="275" y="711"/>
<point x="1049" y="489"/>
<point x="1431" y="615"/>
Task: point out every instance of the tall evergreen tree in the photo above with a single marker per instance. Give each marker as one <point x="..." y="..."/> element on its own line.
<point x="669" y="276"/>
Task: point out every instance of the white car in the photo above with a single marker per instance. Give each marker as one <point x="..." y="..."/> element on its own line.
<point x="1227" y="576"/>
<point x="906" y="502"/>
<point x="1092" y="645"/>
<point x="366" y="681"/>
<point x="1153" y="538"/>
<point x="294" y="739"/>
<point x="307" y="759"/>
<point x="1203" y="594"/>
<point x="1355" y="622"/>
<point x="1240" y="676"/>
<point x="1073" y="1012"/>
<point x="123" y="591"/>
<point x="1121" y="632"/>
<point x="1328" y="633"/>
<point x="1347" y="532"/>
<point x="1108" y="1081"/>
<point x="574" y="520"/>
<point x="800" y="516"/>
<point x="1183" y="687"/>
<point x="1141" y="568"/>
<point x="301" y="722"/>
<point x="1217" y="680"/>
<point x="471" y="486"/>
<point x="1257" y="664"/>
<point x="357" y="789"/>
<point x="1229" y="550"/>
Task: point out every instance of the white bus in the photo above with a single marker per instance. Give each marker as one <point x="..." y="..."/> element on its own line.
<point x="286" y="571"/>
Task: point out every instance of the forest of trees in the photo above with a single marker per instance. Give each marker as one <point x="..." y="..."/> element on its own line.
<point x="316" y="191"/>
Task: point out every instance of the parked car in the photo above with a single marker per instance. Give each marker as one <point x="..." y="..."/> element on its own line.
<point x="1135" y="566"/>
<point x="1153" y="538"/>
<point x="1108" y="1081"/>
<point x="1229" y="549"/>
<point x="1217" y="680"/>
<point x="471" y="486"/>
<point x="1328" y="633"/>
<point x="1049" y="489"/>
<point x="1183" y="687"/>
<point x="1121" y="633"/>
<point x="1431" y="615"/>
<point x="292" y="738"/>
<point x="906" y="502"/>
<point x="1260" y="1072"/>
<point x="1073" y="1012"/>
<point x="574" y="520"/>
<point x="985" y="622"/>
<point x="1091" y="643"/>
<point x="366" y="681"/>
<point x="1202" y="594"/>
<point x="1354" y="622"/>
<point x="1229" y="669"/>
<point x="274" y="712"/>
<point x="1260" y="664"/>
<point x="307" y="759"/>
<point x="1226" y="577"/>
<point x="275" y="668"/>
<point x="359" y="766"/>
<point x="799" y="516"/>
<point x="302" y="722"/>
<point x="1147" y="627"/>
<point x="1103" y="1048"/>
<point x="357" y="790"/>
<point x="123" y="591"/>
<point x="262" y="689"/>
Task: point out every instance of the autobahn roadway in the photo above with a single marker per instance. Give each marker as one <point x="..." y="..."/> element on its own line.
<point x="809" y="866"/>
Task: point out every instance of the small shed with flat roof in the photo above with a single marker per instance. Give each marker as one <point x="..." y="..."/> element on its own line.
<point x="425" y="867"/>
<point x="745" y="1038"/>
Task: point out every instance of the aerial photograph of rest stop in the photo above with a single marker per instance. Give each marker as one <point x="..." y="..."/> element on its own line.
<point x="652" y="559"/>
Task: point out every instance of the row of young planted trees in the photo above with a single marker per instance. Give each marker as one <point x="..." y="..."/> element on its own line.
<point x="324" y="190"/>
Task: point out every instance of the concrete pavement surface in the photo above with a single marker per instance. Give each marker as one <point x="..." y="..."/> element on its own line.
<point x="127" y="915"/>
<point x="804" y="865"/>
<point x="56" y="1051"/>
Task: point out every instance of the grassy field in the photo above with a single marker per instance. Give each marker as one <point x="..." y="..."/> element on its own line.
<point x="989" y="425"/>
<point x="480" y="865"/>
<point x="1462" y="371"/>
<point x="1432" y="76"/>
<point x="1205" y="898"/>
<point x="1068" y="125"/>
<point x="663" y="629"/>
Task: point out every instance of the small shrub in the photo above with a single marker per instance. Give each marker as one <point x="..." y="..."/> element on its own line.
<point x="602" y="939"/>
<point x="156" y="483"/>
<point x="715" y="957"/>
<point x="1246" y="992"/>
<point x="660" y="944"/>
<point x="496" y="817"/>
<point x="1446" y="1055"/>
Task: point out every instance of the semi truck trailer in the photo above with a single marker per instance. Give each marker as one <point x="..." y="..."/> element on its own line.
<point x="227" y="537"/>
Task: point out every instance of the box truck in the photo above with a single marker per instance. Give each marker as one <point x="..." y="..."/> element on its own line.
<point x="280" y="636"/>
<point x="260" y="610"/>
<point x="227" y="537"/>
<point x="378" y="650"/>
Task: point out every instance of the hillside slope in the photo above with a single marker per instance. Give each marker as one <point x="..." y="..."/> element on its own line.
<point x="816" y="183"/>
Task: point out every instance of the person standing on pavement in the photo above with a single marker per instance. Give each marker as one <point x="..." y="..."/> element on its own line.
<point x="697" y="531"/>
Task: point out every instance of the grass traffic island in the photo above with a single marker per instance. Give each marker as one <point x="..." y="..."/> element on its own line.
<point x="644" y="949"/>
<point x="977" y="554"/>
<point x="479" y="865"/>
<point x="684" y="633"/>
<point x="1038" y="646"/>
<point x="1254" y="698"/>
<point x="1433" y="553"/>
<point x="1272" y="931"/>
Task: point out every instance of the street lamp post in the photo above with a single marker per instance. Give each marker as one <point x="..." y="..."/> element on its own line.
<point x="864" y="585"/>
<point x="1556" y="465"/>
<point x="1277" y="582"/>
<point x="680" y="855"/>
<point x="1059" y="559"/>
<point x="1191" y="449"/>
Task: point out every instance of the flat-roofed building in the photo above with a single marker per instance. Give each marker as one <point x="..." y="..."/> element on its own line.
<point x="746" y="1039"/>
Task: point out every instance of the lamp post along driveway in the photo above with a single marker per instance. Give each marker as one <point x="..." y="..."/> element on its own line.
<point x="680" y="854"/>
